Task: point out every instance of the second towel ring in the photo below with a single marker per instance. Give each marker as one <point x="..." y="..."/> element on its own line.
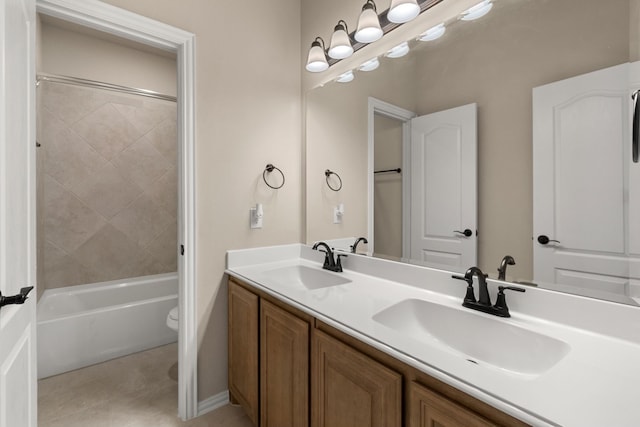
<point x="270" y="168"/>
<point x="327" y="174"/>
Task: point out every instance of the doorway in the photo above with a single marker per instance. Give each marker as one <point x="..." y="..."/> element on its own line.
<point x="130" y="26"/>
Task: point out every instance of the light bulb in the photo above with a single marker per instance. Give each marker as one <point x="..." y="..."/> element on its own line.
<point x="477" y="11"/>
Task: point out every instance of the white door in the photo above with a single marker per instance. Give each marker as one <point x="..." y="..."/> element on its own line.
<point x="443" y="189"/>
<point x="582" y="195"/>
<point x="17" y="213"/>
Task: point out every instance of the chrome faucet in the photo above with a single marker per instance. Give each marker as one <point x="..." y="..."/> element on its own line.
<point x="484" y="301"/>
<point x="329" y="262"/>
<point x="502" y="270"/>
<point x="355" y="245"/>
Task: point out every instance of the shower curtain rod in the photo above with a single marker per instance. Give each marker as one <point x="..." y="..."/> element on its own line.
<point x="106" y="86"/>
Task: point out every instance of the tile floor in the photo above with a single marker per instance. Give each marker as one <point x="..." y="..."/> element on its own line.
<point x="139" y="390"/>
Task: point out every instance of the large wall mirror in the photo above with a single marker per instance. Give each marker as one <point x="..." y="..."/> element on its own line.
<point x="537" y="73"/>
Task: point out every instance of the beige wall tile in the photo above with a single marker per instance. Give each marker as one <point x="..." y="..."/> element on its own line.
<point x="68" y="157"/>
<point x="164" y="191"/>
<point x="62" y="270"/>
<point x="141" y="163"/>
<point x="143" y="118"/>
<point x="111" y="254"/>
<point x="106" y="191"/>
<point x="107" y="130"/>
<point x="164" y="248"/>
<point x="142" y="221"/>
<point x="164" y="139"/>
<point x="68" y="222"/>
<point x="69" y="103"/>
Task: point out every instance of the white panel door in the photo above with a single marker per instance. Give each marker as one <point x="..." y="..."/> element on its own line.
<point x="582" y="192"/>
<point x="443" y="189"/>
<point x="17" y="213"/>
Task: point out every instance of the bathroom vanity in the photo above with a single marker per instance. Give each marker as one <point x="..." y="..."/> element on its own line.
<point x="389" y="344"/>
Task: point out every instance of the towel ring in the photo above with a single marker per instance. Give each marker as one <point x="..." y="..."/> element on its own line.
<point x="327" y="174"/>
<point x="270" y="168"/>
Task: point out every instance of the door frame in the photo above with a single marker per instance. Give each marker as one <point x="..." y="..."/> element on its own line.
<point x="377" y="106"/>
<point x="125" y="24"/>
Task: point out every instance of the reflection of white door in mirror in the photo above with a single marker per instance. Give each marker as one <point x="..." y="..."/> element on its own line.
<point x="583" y="195"/>
<point x="443" y="189"/>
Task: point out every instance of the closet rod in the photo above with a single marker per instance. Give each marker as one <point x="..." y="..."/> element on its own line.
<point x="397" y="170"/>
<point x="100" y="85"/>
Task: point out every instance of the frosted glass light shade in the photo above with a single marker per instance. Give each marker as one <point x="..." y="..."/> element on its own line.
<point x="369" y="29"/>
<point x="399" y="51"/>
<point x="477" y="11"/>
<point x="340" y="46"/>
<point x="345" y="77"/>
<point x="402" y="11"/>
<point x="370" y="65"/>
<point x="433" y="33"/>
<point x="317" y="60"/>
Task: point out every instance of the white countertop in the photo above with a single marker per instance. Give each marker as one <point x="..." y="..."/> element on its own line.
<point x="597" y="383"/>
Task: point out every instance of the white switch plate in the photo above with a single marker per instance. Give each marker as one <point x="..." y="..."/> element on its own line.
<point x="338" y="211"/>
<point x="255" y="218"/>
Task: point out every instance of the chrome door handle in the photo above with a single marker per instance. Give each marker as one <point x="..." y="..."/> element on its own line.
<point x="16" y="299"/>
<point x="465" y="233"/>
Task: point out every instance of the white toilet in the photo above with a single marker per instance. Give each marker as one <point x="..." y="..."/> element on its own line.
<point x="172" y="319"/>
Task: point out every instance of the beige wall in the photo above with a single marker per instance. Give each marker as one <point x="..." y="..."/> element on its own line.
<point x="248" y="114"/>
<point x="69" y="50"/>
<point x="336" y="139"/>
<point x="462" y="68"/>
<point x="387" y="187"/>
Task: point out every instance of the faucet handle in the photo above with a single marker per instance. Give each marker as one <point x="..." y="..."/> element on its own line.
<point x="470" y="296"/>
<point x="339" y="262"/>
<point x="501" y="302"/>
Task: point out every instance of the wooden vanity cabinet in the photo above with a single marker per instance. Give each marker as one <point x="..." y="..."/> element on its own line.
<point x="288" y="369"/>
<point x="284" y="368"/>
<point x="351" y="389"/>
<point x="243" y="349"/>
<point x="268" y="359"/>
<point x="430" y="409"/>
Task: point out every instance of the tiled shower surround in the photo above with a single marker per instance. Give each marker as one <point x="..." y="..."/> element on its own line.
<point x="107" y="185"/>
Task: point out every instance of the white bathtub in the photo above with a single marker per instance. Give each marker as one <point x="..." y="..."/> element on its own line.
<point x="86" y="324"/>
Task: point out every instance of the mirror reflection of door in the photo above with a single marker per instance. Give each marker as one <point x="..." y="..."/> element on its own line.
<point x="424" y="187"/>
<point x="443" y="189"/>
<point x="586" y="229"/>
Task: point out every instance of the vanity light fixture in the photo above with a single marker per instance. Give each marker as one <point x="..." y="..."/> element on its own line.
<point x="477" y="11"/>
<point x="399" y="51"/>
<point x="433" y="33"/>
<point x="340" y="46"/>
<point x="317" y="59"/>
<point x="369" y="29"/>
<point x="402" y="11"/>
<point x="345" y="77"/>
<point x="370" y="65"/>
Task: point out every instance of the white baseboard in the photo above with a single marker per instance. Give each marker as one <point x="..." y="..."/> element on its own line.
<point x="213" y="403"/>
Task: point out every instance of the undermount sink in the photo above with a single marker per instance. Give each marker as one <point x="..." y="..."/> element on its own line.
<point x="300" y="275"/>
<point x="478" y="337"/>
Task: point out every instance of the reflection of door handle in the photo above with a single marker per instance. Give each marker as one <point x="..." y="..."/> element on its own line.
<point x="465" y="233"/>
<point x="543" y="240"/>
<point x="16" y="299"/>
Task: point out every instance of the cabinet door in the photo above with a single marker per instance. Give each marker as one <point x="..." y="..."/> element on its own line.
<point x="429" y="409"/>
<point x="284" y="368"/>
<point x="351" y="390"/>
<point x="243" y="349"/>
